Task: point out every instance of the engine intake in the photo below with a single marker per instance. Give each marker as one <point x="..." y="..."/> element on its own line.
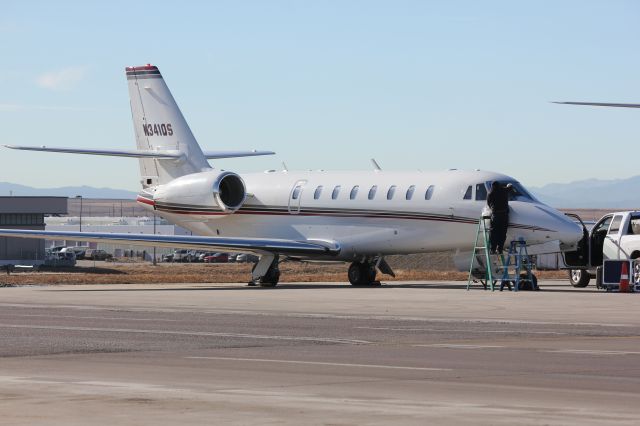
<point x="202" y="192"/>
<point x="229" y="191"/>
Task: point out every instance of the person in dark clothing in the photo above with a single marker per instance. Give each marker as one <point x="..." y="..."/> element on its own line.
<point x="498" y="201"/>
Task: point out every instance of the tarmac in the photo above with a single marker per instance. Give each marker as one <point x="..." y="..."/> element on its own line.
<point x="320" y="353"/>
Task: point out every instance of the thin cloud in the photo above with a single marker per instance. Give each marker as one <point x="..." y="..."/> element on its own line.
<point x="20" y="107"/>
<point x="61" y="79"/>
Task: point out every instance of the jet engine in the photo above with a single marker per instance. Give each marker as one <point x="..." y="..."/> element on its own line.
<point x="202" y="192"/>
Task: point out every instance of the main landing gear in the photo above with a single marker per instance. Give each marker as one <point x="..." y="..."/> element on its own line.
<point x="266" y="272"/>
<point x="361" y="274"/>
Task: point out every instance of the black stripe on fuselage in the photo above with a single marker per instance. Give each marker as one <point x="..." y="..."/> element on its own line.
<point x="375" y="214"/>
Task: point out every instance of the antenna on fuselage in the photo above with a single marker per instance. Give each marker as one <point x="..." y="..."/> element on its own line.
<point x="284" y="167"/>
<point x="376" y="166"/>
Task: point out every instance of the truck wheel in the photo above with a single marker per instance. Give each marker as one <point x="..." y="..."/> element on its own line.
<point x="579" y="278"/>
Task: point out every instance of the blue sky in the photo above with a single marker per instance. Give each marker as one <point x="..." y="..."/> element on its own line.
<point x="328" y="84"/>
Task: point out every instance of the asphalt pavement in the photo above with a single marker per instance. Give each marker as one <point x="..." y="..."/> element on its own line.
<point x="321" y="353"/>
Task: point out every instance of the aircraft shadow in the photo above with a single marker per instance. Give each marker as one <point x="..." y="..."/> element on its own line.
<point x="307" y="286"/>
<point x="282" y="286"/>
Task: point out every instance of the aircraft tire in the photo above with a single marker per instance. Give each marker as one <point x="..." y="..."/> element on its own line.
<point x="271" y="278"/>
<point x="361" y="274"/>
<point x="579" y="278"/>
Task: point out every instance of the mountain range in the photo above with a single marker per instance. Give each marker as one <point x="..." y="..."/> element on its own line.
<point x="592" y="193"/>
<point x="589" y="193"/>
<point x="16" y="190"/>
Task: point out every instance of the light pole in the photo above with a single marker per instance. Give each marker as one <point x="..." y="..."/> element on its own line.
<point x="80" y="196"/>
<point x="154" y="233"/>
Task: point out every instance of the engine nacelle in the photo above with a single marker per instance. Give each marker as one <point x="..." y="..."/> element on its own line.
<point x="205" y="191"/>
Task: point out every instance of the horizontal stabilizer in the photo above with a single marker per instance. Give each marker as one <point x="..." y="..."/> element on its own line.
<point x="158" y="154"/>
<point x="257" y="245"/>
<point x="235" y="154"/>
<point x="600" y="104"/>
<point x="108" y="152"/>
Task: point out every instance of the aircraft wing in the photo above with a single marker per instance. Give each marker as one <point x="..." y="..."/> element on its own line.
<point x="600" y="104"/>
<point x="138" y="153"/>
<point x="258" y="245"/>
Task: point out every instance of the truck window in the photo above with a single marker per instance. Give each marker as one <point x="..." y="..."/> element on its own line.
<point x="615" y="225"/>
<point x="634" y="226"/>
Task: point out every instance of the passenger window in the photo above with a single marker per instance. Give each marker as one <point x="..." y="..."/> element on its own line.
<point x="317" y="192"/>
<point x="615" y="224"/>
<point x="335" y="192"/>
<point x="481" y="192"/>
<point x="296" y="192"/>
<point x="429" y="193"/>
<point x="354" y="192"/>
<point x="410" y="192"/>
<point x="467" y="194"/>
<point x="391" y="192"/>
<point x="372" y="192"/>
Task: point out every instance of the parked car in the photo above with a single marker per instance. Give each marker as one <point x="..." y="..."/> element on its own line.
<point x="177" y="256"/>
<point x="217" y="258"/>
<point x="97" y="254"/>
<point x="78" y="250"/>
<point x="60" y="259"/>
<point x="193" y="256"/>
<point x="247" y="258"/>
<point x="205" y="254"/>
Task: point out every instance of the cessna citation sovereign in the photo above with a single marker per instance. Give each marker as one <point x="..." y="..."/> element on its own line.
<point x="358" y="217"/>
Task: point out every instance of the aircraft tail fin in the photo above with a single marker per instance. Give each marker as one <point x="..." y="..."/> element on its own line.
<point x="160" y="126"/>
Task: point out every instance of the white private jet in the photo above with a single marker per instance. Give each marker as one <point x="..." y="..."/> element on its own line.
<point x="358" y="217"/>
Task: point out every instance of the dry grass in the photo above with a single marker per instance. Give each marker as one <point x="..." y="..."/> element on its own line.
<point x="217" y="273"/>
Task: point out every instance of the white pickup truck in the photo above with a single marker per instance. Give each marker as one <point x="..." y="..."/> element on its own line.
<point x="614" y="236"/>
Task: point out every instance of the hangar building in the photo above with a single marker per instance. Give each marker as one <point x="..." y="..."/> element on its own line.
<point x="26" y="213"/>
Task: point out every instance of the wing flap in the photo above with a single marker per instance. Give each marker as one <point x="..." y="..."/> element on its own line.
<point x="282" y="246"/>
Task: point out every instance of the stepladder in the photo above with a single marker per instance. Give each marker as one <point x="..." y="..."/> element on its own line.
<point x="512" y="269"/>
<point x="517" y="267"/>
<point x="481" y="268"/>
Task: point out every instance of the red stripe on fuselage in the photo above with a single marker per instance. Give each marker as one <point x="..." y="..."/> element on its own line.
<point x="145" y="201"/>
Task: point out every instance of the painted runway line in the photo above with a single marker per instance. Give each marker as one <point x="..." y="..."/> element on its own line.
<point x="332" y="364"/>
<point x="190" y="333"/>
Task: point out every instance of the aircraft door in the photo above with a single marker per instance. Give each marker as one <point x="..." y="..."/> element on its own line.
<point x="295" y="196"/>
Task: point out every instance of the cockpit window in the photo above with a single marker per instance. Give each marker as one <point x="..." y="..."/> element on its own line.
<point x="467" y="194"/>
<point x="517" y="193"/>
<point x="481" y="192"/>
